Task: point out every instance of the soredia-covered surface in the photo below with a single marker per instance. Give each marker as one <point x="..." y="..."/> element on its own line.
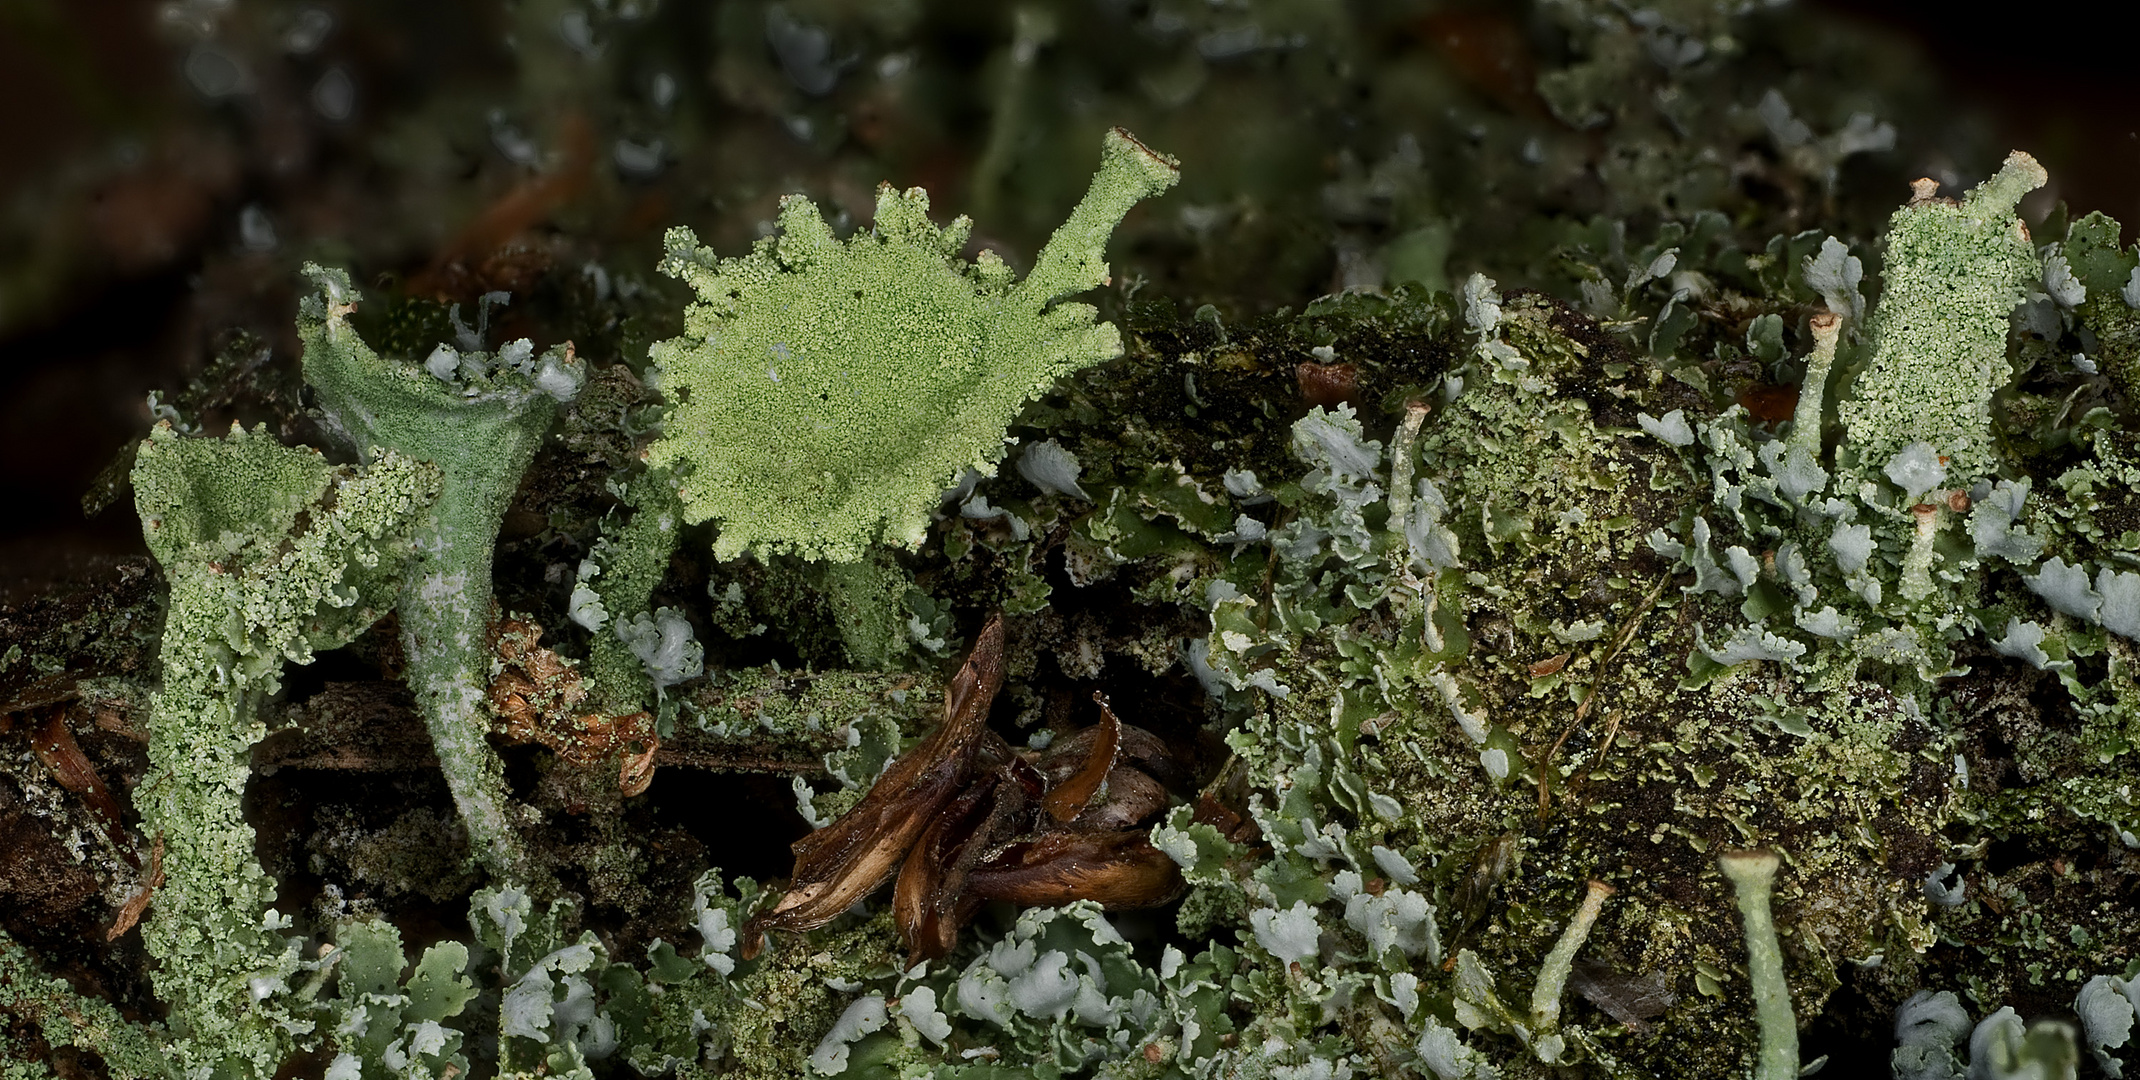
<point x="1955" y="270"/>
<point x="831" y="389"/>
<point x="272" y="555"/>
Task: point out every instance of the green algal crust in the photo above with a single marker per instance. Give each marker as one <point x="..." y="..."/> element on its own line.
<point x="272" y="554"/>
<point x="65" y="1018"/>
<point x="1953" y="274"/>
<point x="832" y="389"/>
<point x="480" y="421"/>
<point x="619" y="578"/>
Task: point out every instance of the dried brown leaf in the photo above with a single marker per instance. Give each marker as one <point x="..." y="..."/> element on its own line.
<point x="1070" y="797"/>
<point x="1117" y="870"/>
<point x="848" y="859"/>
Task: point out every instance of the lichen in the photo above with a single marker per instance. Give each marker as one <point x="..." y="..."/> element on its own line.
<point x="272" y="555"/>
<point x="1954" y="272"/>
<point x="832" y="389"/>
<point x="479" y="416"/>
<point x="1466" y="607"/>
<point x="64" y="1017"/>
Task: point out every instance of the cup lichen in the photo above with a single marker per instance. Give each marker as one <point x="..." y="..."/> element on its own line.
<point x="832" y="389"/>
<point x="479" y="416"/>
<point x="272" y="555"/>
<point x="1465" y="606"/>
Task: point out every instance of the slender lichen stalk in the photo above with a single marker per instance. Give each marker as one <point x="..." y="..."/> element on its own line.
<point x="1805" y="434"/>
<point x="1553" y="974"/>
<point x="480" y="418"/>
<point x="1753" y="877"/>
<point x="1917" y="560"/>
<point x="1404" y="460"/>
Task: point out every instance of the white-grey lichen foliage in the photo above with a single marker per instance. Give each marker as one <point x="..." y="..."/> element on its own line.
<point x="1290" y="935"/>
<point x="1399" y="918"/>
<point x="1916" y="470"/>
<point x="1434" y="545"/>
<point x="714" y="929"/>
<point x="1482" y="314"/>
<point x="1835" y="274"/>
<point x="1049" y="467"/>
<point x="2003" y="1048"/>
<point x="2023" y="640"/>
<point x="1928" y="1027"/>
<point x="1939" y="892"/>
<point x="2111" y="600"/>
<point x="663" y="642"/>
<point x="1446" y="1056"/>
<point x="2059" y="282"/>
<point x="863" y="1016"/>
<point x="919" y="1008"/>
<point x="1671" y="427"/>
<point x="2107" y="1006"/>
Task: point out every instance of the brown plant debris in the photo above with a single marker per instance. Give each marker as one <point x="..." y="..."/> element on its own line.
<point x="963" y="818"/>
<point x="535" y="698"/>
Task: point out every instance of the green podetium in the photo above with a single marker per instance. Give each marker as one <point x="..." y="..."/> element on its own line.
<point x="1955" y="271"/>
<point x="479" y="417"/>
<point x="832" y="389"/>
<point x="272" y="554"/>
<point x="1753" y="880"/>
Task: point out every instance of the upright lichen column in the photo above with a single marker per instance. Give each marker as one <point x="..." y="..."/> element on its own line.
<point x="1954" y="272"/>
<point x="271" y="554"/>
<point x="1753" y="881"/>
<point x="626" y="566"/>
<point x="480" y="417"/>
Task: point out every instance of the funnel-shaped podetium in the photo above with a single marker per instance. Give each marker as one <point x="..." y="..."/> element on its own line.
<point x="479" y="416"/>
<point x="272" y="554"/>
<point x="832" y="389"/>
<point x="1955" y="271"/>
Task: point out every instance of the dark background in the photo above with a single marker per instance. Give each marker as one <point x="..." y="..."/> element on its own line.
<point x="124" y="264"/>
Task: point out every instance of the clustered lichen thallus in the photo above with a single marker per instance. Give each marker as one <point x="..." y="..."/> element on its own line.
<point x="965" y="818"/>
<point x="1858" y="663"/>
